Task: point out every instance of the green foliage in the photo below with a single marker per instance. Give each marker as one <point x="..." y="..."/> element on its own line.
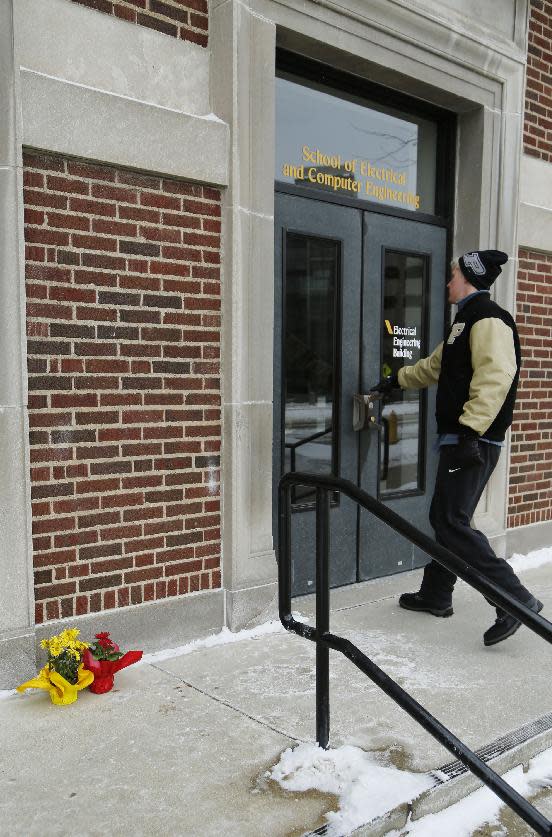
<point x="65" y="664"/>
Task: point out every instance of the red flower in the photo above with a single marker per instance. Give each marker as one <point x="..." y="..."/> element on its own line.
<point x="105" y="642"/>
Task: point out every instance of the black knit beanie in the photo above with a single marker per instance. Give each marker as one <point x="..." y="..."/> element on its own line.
<point x="482" y="267"/>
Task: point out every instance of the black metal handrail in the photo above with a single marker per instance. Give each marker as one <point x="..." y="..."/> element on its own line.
<point x="325" y="640"/>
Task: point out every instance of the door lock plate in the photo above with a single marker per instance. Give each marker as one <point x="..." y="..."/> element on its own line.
<point x="365" y="411"/>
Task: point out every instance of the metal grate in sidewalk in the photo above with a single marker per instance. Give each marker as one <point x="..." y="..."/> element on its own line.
<point x="498" y="747"/>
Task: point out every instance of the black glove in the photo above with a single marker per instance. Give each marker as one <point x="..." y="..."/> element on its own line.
<point x="466" y="452"/>
<point x="387" y="385"/>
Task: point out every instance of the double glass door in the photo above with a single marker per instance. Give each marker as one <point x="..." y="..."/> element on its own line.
<point x="357" y="295"/>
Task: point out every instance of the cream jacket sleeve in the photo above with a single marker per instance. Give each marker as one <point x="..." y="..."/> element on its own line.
<point x="423" y="373"/>
<point x="494" y="368"/>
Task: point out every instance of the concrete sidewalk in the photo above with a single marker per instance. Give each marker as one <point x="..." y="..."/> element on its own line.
<point x="181" y="746"/>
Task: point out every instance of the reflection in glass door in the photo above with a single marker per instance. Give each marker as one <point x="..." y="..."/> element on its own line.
<point x="311" y="297"/>
<point x="405" y="277"/>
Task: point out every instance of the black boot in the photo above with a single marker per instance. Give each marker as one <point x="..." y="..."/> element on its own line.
<point x="507" y="625"/>
<point x="416" y="601"/>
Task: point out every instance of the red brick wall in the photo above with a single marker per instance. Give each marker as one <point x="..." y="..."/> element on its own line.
<point x="186" y="19"/>
<point x="123" y="319"/>
<point x="530" y="494"/>
<point x="537" y="134"/>
<point x="531" y="461"/>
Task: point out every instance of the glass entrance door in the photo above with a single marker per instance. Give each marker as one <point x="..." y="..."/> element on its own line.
<point x="318" y="251"/>
<point x="404" y="269"/>
<point x="353" y="301"/>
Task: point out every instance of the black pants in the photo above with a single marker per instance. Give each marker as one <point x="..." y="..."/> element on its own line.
<point x="457" y="492"/>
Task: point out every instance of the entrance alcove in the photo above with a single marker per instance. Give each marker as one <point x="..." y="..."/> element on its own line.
<point x="479" y="79"/>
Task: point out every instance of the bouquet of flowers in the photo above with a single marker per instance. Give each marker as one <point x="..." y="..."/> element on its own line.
<point x="64" y="675"/>
<point x="104" y="658"/>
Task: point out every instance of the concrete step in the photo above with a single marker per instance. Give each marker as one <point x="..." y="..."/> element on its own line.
<point x="455" y="781"/>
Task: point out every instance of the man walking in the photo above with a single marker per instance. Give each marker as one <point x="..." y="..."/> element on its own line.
<point x="476" y="369"/>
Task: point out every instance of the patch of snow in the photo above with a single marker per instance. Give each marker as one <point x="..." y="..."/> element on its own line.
<point x="7" y="693"/>
<point x="224" y="637"/>
<point x="532" y="560"/>
<point x="366" y="787"/>
<point x="482" y="806"/>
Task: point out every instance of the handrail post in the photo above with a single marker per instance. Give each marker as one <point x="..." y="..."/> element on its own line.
<point x="322" y="617"/>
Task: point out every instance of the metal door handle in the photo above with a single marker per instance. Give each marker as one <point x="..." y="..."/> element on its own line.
<point x="365" y="411"/>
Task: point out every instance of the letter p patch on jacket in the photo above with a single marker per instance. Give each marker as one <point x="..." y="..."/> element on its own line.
<point x="456" y="331"/>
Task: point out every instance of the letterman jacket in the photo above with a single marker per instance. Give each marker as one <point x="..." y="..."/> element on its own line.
<point x="476" y="368"/>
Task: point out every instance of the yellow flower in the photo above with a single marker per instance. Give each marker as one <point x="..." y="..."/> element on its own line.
<point x="65" y="642"/>
<point x="55" y="647"/>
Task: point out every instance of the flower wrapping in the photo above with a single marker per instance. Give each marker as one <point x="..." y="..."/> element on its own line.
<point x="105" y="670"/>
<point x="62" y="693"/>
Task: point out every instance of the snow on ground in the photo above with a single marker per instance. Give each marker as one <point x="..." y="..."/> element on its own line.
<point x="482" y="806"/>
<point x="367" y="788"/>
<point x="532" y="560"/>
<point x="6" y="693"/>
<point x="365" y="785"/>
<point x="224" y="637"/>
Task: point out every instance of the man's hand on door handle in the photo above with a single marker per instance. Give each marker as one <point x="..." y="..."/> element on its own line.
<point x="387" y="385"/>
